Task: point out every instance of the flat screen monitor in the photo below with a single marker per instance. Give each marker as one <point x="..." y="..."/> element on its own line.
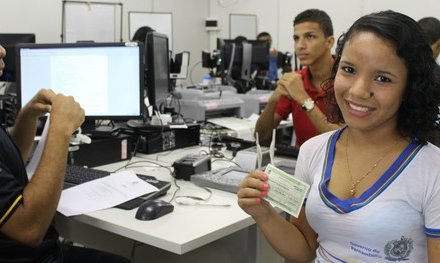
<point x="179" y="68"/>
<point x="105" y="78"/>
<point x="259" y="57"/>
<point x="9" y="41"/>
<point x="157" y="68"/>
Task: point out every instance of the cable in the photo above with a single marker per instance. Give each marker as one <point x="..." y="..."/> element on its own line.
<point x="191" y="72"/>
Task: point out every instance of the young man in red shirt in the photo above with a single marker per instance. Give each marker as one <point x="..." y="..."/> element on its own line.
<point x="300" y="92"/>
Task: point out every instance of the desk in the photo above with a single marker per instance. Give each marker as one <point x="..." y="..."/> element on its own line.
<point x="186" y="229"/>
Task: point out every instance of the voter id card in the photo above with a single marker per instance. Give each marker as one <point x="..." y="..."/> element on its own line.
<point x="285" y="191"/>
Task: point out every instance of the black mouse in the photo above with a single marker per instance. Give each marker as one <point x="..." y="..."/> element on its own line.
<point x="152" y="209"/>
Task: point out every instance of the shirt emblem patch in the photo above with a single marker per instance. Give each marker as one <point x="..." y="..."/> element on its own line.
<point x="398" y="250"/>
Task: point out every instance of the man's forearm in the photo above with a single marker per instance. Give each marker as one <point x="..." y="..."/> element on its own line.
<point x="320" y="121"/>
<point x="266" y="121"/>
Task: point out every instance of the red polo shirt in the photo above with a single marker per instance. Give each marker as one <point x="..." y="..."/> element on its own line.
<point x="303" y="127"/>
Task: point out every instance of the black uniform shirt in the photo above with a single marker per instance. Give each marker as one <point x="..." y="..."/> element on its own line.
<point x="13" y="179"/>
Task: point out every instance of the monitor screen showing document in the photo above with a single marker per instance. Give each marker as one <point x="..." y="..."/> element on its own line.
<point x="105" y="78"/>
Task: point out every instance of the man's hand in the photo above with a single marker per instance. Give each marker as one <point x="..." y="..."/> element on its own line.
<point x="292" y="86"/>
<point x="66" y="113"/>
<point x="40" y="104"/>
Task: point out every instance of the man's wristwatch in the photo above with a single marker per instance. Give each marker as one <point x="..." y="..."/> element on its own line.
<point x="308" y="105"/>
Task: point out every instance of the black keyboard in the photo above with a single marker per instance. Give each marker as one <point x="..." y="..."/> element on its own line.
<point x="286" y="150"/>
<point x="281" y="149"/>
<point x="233" y="142"/>
<point x="76" y="174"/>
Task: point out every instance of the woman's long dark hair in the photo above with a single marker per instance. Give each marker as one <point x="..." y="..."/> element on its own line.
<point x="418" y="114"/>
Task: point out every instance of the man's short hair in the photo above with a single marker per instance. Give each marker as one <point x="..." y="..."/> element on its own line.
<point x="263" y="34"/>
<point x="431" y="28"/>
<point x="317" y="16"/>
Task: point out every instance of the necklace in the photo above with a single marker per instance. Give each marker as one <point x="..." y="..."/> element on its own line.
<point x="355" y="183"/>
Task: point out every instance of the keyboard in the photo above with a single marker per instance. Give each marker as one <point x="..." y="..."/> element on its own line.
<point x="225" y="179"/>
<point x="286" y="150"/>
<point x="233" y="142"/>
<point x="76" y="174"/>
<point x="163" y="187"/>
<point x="281" y="149"/>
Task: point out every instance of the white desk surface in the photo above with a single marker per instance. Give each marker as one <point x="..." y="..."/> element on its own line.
<point x="183" y="230"/>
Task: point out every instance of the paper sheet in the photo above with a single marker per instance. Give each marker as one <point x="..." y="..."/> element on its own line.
<point x="244" y="129"/>
<point x="36" y="156"/>
<point x="103" y="193"/>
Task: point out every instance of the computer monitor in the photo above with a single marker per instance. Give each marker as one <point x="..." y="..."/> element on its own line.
<point x="157" y="68"/>
<point x="9" y="41"/>
<point x="233" y="50"/>
<point x="179" y="66"/>
<point x="105" y="78"/>
<point x="260" y="54"/>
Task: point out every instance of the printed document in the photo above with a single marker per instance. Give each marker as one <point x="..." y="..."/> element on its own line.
<point x="103" y="193"/>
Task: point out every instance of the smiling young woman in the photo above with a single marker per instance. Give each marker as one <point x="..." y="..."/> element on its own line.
<point x="374" y="184"/>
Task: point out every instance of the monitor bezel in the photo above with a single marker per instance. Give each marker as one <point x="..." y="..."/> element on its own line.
<point x="150" y="69"/>
<point x="81" y="45"/>
<point x="225" y="46"/>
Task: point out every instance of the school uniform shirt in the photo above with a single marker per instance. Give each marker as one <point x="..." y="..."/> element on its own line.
<point x="13" y="179"/>
<point x="390" y="222"/>
<point x="302" y="125"/>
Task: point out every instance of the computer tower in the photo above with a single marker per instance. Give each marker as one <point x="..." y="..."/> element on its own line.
<point x="156" y="139"/>
<point x="101" y="151"/>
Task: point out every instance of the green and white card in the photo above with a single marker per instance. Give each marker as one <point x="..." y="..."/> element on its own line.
<point x="285" y="191"/>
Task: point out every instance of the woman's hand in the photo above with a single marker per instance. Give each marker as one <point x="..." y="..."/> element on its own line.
<point x="251" y="192"/>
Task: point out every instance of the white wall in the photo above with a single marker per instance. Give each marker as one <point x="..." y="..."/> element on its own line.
<point x="276" y="16"/>
<point x="43" y="17"/>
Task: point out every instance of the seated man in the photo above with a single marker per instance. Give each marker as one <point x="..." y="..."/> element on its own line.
<point x="300" y="92"/>
<point x="431" y="28"/>
<point x="272" y="73"/>
<point x="28" y="207"/>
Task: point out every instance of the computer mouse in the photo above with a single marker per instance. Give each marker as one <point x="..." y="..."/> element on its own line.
<point x="152" y="209"/>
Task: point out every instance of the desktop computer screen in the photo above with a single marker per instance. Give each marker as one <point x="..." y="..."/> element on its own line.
<point x="105" y="78"/>
<point x="179" y="66"/>
<point x="9" y="41"/>
<point x="158" y="68"/>
<point x="233" y="56"/>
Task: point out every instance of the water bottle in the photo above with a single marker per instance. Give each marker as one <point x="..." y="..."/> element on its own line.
<point x="207" y="80"/>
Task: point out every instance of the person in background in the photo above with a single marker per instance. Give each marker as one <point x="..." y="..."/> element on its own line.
<point x="375" y="184"/>
<point x="141" y="34"/>
<point x="431" y="28"/>
<point x="27" y="207"/>
<point x="300" y="93"/>
<point x="272" y="73"/>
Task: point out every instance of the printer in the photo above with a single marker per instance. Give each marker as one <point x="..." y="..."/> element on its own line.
<point x="202" y="102"/>
<point x="254" y="101"/>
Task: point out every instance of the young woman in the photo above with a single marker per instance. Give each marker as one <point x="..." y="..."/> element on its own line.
<point x="375" y="184"/>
